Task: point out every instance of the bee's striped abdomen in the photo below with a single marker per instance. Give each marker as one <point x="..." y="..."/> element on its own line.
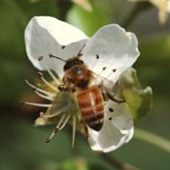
<point x="90" y="103"/>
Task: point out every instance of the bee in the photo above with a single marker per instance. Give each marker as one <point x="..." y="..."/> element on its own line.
<point x="89" y="99"/>
<point x="79" y="78"/>
<point x="89" y="90"/>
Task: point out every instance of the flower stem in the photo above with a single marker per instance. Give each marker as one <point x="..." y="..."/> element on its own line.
<point x="116" y="163"/>
<point x="151" y="138"/>
<point x="137" y="10"/>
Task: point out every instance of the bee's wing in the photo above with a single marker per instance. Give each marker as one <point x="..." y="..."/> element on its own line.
<point x="101" y="81"/>
<point x="110" y="51"/>
<point x="117" y="128"/>
<point x="63" y="103"/>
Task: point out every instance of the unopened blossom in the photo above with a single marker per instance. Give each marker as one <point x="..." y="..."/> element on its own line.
<point x="163" y="7"/>
<point x="108" y="53"/>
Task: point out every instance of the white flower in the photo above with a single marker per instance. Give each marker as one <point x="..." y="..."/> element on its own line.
<point x="109" y="52"/>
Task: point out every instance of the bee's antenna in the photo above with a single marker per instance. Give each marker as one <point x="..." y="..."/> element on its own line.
<point x="52" y="56"/>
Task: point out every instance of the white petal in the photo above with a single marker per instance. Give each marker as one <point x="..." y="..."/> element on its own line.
<point x="61" y="31"/>
<point x="119" y="114"/>
<point x="108" y="139"/>
<point x="47" y="35"/>
<point x="115" y="131"/>
<point x="117" y="50"/>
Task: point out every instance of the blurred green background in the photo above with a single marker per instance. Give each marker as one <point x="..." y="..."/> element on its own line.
<point x="22" y="146"/>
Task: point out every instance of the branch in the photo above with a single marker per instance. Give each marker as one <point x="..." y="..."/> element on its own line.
<point x="116" y="163"/>
<point x="153" y="139"/>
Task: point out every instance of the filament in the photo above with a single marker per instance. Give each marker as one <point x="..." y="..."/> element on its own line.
<point x="38" y="89"/>
<point x="48" y="70"/>
<point x="44" y="96"/>
<point x="47" y="83"/>
<point x="94" y="64"/>
<point x="56" y="129"/>
<point x="37" y="104"/>
<point x="55" y="114"/>
<point x="65" y="122"/>
<point x="61" y="121"/>
<point x="74" y="131"/>
<point x="52" y="75"/>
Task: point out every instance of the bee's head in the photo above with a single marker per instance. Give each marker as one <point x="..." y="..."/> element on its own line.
<point x="73" y="62"/>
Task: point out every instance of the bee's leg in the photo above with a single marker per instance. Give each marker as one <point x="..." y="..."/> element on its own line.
<point x="86" y="132"/>
<point x="110" y="96"/>
<point x="84" y="129"/>
<point x="62" y="88"/>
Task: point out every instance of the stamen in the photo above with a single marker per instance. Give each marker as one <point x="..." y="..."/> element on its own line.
<point x="38" y="89"/>
<point x="108" y="76"/>
<point x="79" y="53"/>
<point x="61" y="120"/>
<point x="42" y="114"/>
<point x="52" y="76"/>
<point x="55" y="114"/>
<point x="97" y="77"/>
<point x="103" y="69"/>
<point x="56" y="129"/>
<point x="94" y="64"/>
<point x="48" y="139"/>
<point x="44" y="96"/>
<point x="48" y="70"/>
<point x="113" y="71"/>
<point x="37" y="104"/>
<point x="74" y="132"/>
<point x="52" y="56"/>
<point x="47" y="83"/>
<point x="65" y="122"/>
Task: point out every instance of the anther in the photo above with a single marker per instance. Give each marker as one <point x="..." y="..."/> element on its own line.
<point x="47" y="140"/>
<point x="21" y="103"/>
<point x="41" y="114"/>
<point x="29" y="84"/>
<point x="114" y="70"/>
<point x="111" y="110"/>
<point x="79" y="55"/>
<point x="40" y="74"/>
<point x="110" y="118"/>
<point x="40" y="58"/>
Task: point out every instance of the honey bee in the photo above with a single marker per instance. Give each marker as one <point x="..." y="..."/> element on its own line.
<point x="89" y="99"/>
<point x="79" y="79"/>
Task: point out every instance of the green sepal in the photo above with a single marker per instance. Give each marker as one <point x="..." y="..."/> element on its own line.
<point x="138" y="99"/>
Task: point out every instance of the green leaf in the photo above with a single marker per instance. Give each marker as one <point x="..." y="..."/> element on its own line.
<point x="87" y="21"/>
